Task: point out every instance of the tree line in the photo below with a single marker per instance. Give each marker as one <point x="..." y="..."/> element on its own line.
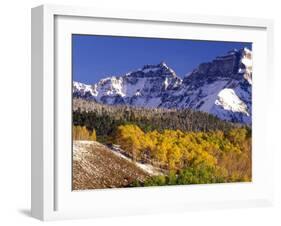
<point x="105" y="119"/>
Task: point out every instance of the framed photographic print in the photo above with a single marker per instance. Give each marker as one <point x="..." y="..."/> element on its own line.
<point x="137" y="112"/>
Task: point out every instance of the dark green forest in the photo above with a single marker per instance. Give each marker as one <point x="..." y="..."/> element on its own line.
<point x="105" y="119"/>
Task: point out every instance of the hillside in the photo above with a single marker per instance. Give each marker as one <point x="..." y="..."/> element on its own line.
<point x="95" y="166"/>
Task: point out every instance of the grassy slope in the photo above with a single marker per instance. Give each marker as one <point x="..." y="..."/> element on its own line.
<point x="96" y="167"/>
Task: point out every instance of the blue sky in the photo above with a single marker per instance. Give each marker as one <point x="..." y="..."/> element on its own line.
<point x="95" y="57"/>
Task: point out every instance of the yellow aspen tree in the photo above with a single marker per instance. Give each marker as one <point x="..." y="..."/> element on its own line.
<point x="84" y="133"/>
<point x="74" y="133"/>
<point x="174" y="155"/>
<point x="93" y="136"/>
<point x="129" y="137"/>
<point x="78" y="132"/>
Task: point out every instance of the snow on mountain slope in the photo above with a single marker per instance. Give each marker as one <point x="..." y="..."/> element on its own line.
<point x="229" y="106"/>
<point x="84" y="90"/>
<point x="143" y="87"/>
<point x="229" y="101"/>
<point x="222" y="87"/>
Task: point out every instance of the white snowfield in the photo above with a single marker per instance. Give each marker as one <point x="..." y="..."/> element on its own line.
<point x="211" y="93"/>
<point x="229" y="101"/>
<point x="84" y="88"/>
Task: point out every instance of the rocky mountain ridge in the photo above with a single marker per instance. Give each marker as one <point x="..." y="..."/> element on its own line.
<point x="222" y="87"/>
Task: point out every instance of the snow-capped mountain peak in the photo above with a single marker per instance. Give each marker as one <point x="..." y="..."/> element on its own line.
<point x="246" y="64"/>
<point x="222" y="87"/>
<point x="84" y="90"/>
<point x="154" y="70"/>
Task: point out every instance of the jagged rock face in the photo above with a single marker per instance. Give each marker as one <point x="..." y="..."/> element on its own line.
<point x="222" y="87"/>
<point x="144" y="87"/>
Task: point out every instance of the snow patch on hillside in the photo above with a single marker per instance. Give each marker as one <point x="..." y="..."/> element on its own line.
<point x="84" y="88"/>
<point x="210" y="93"/>
<point x="229" y="101"/>
<point x="145" y="167"/>
<point x="81" y="150"/>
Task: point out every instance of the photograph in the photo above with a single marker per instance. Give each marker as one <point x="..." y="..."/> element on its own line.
<point x="152" y="111"/>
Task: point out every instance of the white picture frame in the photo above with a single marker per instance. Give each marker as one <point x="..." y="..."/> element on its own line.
<point x="52" y="197"/>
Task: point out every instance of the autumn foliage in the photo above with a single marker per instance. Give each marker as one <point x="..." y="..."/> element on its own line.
<point x="189" y="147"/>
<point x="82" y="133"/>
<point x="208" y="156"/>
